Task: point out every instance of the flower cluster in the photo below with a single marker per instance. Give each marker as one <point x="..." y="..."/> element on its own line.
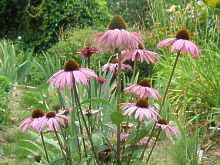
<point x="127" y="46"/>
<point x="40" y="120"/>
<point x="71" y="72"/>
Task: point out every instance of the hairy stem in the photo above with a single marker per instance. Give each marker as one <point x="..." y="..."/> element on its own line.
<point x="60" y="143"/>
<point x="134" y="70"/>
<point x="90" y="97"/>
<point x="155" y="142"/>
<point x="162" y="103"/>
<point x="73" y="120"/>
<point x="169" y="82"/>
<point x="84" y="121"/>
<point x="44" y="145"/>
<point x="118" y="151"/>
<point x="81" y="131"/>
<point x="89" y="89"/>
<point x="132" y="150"/>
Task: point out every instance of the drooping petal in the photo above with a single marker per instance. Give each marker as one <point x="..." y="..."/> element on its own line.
<point x="166" y="42"/>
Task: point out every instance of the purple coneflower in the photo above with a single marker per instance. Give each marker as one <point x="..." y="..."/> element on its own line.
<point x="101" y="80"/>
<point x="113" y="66"/>
<point x="65" y="76"/>
<point x="143" y="89"/>
<point x="168" y="127"/>
<point x="124" y="136"/>
<point x="33" y="122"/>
<point x="181" y="42"/>
<point x="139" y="54"/>
<point x="87" y="52"/>
<point x="141" y="110"/>
<point x="117" y="36"/>
<point x="53" y="120"/>
<point x="143" y="141"/>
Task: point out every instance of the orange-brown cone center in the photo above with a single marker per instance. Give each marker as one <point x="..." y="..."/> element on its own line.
<point x="50" y="114"/>
<point x="182" y="34"/>
<point x="114" y="61"/>
<point x="143" y="103"/>
<point x="117" y="22"/>
<point x="140" y="46"/>
<point x="71" y="65"/>
<point x="36" y="113"/>
<point x="144" y="83"/>
<point x="162" y="121"/>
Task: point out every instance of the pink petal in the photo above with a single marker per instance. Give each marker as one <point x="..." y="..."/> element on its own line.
<point x="166" y="42"/>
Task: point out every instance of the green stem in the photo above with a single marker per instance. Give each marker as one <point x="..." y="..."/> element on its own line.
<point x="162" y="104"/>
<point x="63" y="131"/>
<point x="146" y="145"/>
<point x="44" y="145"/>
<point x="62" y="102"/>
<point x="118" y="151"/>
<point x="84" y="121"/>
<point x="132" y="150"/>
<point x="73" y="120"/>
<point x="81" y="131"/>
<point x="60" y="143"/>
<point x="134" y="70"/>
<point x="155" y="142"/>
<point x="89" y="89"/>
<point x="169" y="82"/>
<point x="90" y="98"/>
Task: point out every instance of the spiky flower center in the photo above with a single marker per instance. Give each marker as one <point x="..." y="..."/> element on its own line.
<point x="144" y="83"/>
<point x="162" y="121"/>
<point x="114" y="61"/>
<point x="143" y="103"/>
<point x="36" y="113"/>
<point x="140" y="46"/>
<point x="71" y="65"/>
<point x="117" y="22"/>
<point x="50" y="114"/>
<point x="182" y="34"/>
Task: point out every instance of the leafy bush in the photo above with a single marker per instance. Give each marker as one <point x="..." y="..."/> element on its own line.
<point x="5" y="86"/>
<point x="40" y="22"/>
<point x="12" y="64"/>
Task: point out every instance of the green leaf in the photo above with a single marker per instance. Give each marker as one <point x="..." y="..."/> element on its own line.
<point x="212" y="2"/>
<point x="117" y="117"/>
<point x="139" y="163"/>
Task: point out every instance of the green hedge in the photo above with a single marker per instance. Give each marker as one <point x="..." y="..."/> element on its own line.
<point x="40" y="23"/>
<point x="5" y="86"/>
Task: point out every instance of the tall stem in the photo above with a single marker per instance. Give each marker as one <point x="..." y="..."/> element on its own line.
<point x="134" y="70"/>
<point x="60" y="143"/>
<point x="118" y="151"/>
<point x="84" y="121"/>
<point x="62" y="102"/>
<point x="90" y="97"/>
<point x="155" y="142"/>
<point x="81" y="131"/>
<point x="73" y="120"/>
<point x="146" y="145"/>
<point x="89" y="90"/>
<point x="132" y="150"/>
<point x="169" y="82"/>
<point x="44" y="145"/>
<point x="162" y="103"/>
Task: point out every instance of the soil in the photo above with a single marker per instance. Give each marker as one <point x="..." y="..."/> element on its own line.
<point x="212" y="150"/>
<point x="8" y="132"/>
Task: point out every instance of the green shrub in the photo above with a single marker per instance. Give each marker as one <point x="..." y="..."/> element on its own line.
<point x="13" y="64"/>
<point x="5" y="86"/>
<point x="39" y="23"/>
